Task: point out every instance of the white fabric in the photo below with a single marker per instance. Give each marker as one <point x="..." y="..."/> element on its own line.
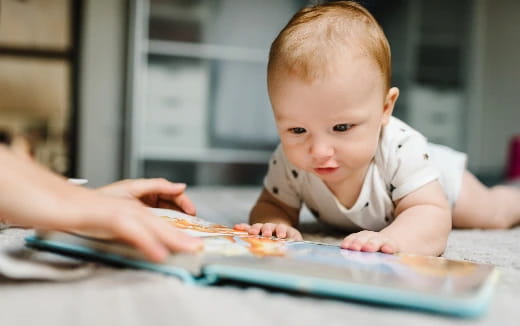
<point x="24" y="264"/>
<point x="452" y="165"/>
<point x="402" y="164"/>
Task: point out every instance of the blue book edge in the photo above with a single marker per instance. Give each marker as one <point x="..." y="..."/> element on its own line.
<point x="467" y="308"/>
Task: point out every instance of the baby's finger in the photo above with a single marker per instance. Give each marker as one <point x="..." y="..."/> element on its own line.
<point x="294" y="234"/>
<point x="354" y="242"/>
<point x="347" y="241"/>
<point x="374" y="244"/>
<point x="389" y="248"/>
<point x="281" y="231"/>
<point x="256" y="228"/>
<point x="267" y="229"/>
<point x="358" y="242"/>
<point x="242" y="227"/>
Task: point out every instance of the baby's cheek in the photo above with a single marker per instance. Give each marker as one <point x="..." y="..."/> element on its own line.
<point x="297" y="158"/>
<point x="362" y="152"/>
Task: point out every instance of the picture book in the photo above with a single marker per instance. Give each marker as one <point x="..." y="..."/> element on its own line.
<point x="433" y="284"/>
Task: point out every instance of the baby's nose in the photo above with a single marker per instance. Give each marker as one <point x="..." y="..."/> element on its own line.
<point x="321" y="149"/>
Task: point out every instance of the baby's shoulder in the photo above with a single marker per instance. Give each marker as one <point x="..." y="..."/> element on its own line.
<point x="396" y="135"/>
<point x="398" y="142"/>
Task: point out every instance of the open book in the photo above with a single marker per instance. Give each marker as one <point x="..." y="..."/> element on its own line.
<point x="428" y="283"/>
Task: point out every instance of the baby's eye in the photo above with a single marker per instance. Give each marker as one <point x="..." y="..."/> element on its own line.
<point x="342" y="127"/>
<point x="297" y="130"/>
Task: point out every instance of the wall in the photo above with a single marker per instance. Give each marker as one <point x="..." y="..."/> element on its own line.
<point x="102" y="66"/>
<point x="495" y="107"/>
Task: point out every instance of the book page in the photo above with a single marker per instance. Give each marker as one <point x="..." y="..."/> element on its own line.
<point x="229" y="254"/>
<point x="435" y="276"/>
<point x="195" y="226"/>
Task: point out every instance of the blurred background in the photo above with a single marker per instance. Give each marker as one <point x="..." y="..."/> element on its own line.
<point x="110" y="89"/>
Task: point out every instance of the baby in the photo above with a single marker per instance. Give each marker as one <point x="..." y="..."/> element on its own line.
<point x="347" y="159"/>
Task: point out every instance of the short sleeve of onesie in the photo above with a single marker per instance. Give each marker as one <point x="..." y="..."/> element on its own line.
<point x="406" y="159"/>
<point x="280" y="180"/>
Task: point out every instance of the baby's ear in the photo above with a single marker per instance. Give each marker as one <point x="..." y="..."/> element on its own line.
<point x="388" y="108"/>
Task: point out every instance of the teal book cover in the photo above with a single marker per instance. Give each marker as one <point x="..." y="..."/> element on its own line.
<point x="434" y="284"/>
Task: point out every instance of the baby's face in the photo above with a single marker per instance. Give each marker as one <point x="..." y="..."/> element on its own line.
<point x="330" y="127"/>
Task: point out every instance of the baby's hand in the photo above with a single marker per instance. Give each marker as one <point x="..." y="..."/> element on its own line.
<point x="282" y="231"/>
<point x="369" y="241"/>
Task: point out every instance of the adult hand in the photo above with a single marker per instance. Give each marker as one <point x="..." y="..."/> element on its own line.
<point x="34" y="197"/>
<point x="156" y="192"/>
<point x="127" y="220"/>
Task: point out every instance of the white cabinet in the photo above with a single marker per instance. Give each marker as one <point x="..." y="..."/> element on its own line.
<point x="437" y="113"/>
<point x="175" y="112"/>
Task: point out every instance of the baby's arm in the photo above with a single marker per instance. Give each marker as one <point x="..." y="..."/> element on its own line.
<point x="271" y="217"/>
<point x="421" y="226"/>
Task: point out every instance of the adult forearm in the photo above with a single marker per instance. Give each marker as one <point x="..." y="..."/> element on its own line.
<point x="32" y="196"/>
<point x="28" y="191"/>
<point x="421" y="229"/>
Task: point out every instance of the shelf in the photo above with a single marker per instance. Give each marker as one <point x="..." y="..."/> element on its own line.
<point x="209" y="155"/>
<point x="207" y="51"/>
<point x="195" y="66"/>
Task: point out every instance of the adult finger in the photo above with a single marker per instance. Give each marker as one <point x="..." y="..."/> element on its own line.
<point x="173" y="238"/>
<point x="161" y="203"/>
<point x="131" y="230"/>
<point x="182" y="201"/>
<point x="142" y="187"/>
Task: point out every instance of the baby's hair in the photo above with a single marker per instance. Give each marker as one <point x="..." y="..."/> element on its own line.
<point x="316" y="36"/>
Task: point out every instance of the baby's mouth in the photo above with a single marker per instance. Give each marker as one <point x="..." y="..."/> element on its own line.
<point x="325" y="170"/>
